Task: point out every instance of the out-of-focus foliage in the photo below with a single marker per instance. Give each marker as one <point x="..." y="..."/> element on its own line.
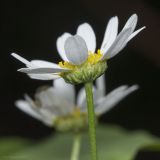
<point x="11" y="145"/>
<point x="114" y="143"/>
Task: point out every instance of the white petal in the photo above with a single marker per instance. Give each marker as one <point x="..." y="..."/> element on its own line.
<point x="135" y="33"/>
<point x="30" y="101"/>
<point x="110" y="34"/>
<point x="23" y="60"/>
<point x="101" y="87"/>
<point x="76" y="50"/>
<point x="42" y="70"/>
<point x="41" y="63"/>
<point x="81" y="97"/>
<point x="47" y="117"/>
<point x="86" y="32"/>
<point x="53" y="103"/>
<point x="25" y="107"/>
<point x="106" y="103"/>
<point x="118" y="44"/>
<point x="131" y="23"/>
<point x="44" y="76"/>
<point x="35" y="63"/>
<point x="64" y="90"/>
<point x="60" y="45"/>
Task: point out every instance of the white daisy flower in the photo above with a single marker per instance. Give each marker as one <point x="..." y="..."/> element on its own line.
<point x="81" y="63"/>
<point x="56" y="106"/>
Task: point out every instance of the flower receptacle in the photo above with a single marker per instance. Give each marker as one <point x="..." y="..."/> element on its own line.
<point x="85" y="73"/>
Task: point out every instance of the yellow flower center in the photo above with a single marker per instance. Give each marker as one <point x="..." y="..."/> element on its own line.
<point x="75" y="121"/>
<point x="76" y="112"/>
<point x="92" y="59"/>
<point x="67" y="65"/>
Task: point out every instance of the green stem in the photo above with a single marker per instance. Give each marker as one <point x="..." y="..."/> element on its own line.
<point x="76" y="147"/>
<point x="91" y="120"/>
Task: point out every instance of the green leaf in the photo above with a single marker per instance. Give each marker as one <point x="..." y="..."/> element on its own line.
<point x="11" y="145"/>
<point x="114" y="143"/>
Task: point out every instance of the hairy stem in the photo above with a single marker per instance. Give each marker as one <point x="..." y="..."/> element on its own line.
<point x="91" y="120"/>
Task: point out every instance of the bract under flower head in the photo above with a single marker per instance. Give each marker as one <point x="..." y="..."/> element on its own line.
<point x="81" y="62"/>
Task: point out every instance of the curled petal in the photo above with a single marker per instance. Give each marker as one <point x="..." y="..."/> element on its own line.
<point x="76" y="50"/>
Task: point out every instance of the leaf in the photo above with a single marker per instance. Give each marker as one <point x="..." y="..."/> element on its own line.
<point x="114" y="143"/>
<point x="11" y="145"/>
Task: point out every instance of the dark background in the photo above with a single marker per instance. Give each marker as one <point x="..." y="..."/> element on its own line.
<point x="31" y="29"/>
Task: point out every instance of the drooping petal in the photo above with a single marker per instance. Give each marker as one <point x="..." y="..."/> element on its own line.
<point x="64" y="90"/>
<point x="106" y="103"/>
<point x="42" y="70"/>
<point x="44" y="76"/>
<point x="60" y="45"/>
<point x="131" y="23"/>
<point x="118" y="44"/>
<point x="76" y="50"/>
<point x="86" y="32"/>
<point x="101" y="87"/>
<point x="135" y="33"/>
<point x="110" y="34"/>
<point x="25" y="107"/>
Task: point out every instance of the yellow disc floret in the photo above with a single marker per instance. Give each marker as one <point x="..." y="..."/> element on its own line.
<point x="94" y="57"/>
<point x="67" y="65"/>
